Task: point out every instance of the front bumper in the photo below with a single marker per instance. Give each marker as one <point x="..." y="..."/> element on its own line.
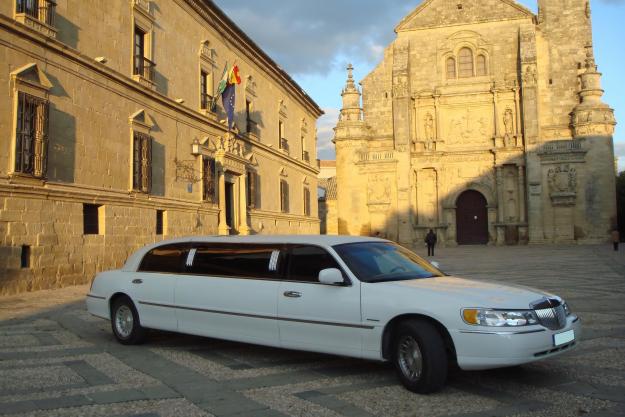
<point x="486" y="347"/>
<point x="98" y="306"/>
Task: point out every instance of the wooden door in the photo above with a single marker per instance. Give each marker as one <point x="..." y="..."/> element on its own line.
<point x="471" y="219"/>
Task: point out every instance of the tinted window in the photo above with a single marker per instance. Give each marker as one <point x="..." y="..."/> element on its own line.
<point x="307" y="261"/>
<point x="164" y="259"/>
<point x="381" y="261"/>
<point x="241" y="261"/>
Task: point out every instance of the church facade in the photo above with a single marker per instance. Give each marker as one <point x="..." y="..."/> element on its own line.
<point x="483" y="122"/>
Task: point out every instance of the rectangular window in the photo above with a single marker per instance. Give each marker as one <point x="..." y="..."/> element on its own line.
<point x="237" y="261"/>
<point x="253" y="184"/>
<point x="206" y="94"/>
<point x="284" y="196"/>
<point x="307" y="261"/>
<point x="142" y="163"/>
<point x="208" y="180"/>
<point x="160" y="217"/>
<point x="306" y="201"/>
<point x="91" y="219"/>
<point x="248" y="116"/>
<point x="25" y="257"/>
<point x="282" y="142"/>
<point x="31" y="144"/>
<point x="142" y="65"/>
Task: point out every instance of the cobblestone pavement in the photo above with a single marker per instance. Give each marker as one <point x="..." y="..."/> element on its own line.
<point x="57" y="360"/>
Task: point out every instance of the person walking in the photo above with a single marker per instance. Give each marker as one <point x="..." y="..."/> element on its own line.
<point x="430" y="240"/>
<point x="616" y="238"/>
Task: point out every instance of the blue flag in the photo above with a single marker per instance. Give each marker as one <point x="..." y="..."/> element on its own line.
<point x="228" y="99"/>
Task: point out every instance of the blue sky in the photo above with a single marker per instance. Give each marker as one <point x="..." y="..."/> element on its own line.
<point x="314" y="42"/>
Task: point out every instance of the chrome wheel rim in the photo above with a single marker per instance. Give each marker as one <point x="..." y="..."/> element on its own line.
<point x="124" y="321"/>
<point x="410" y="358"/>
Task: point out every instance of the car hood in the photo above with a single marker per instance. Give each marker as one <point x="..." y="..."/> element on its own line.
<point x="471" y="293"/>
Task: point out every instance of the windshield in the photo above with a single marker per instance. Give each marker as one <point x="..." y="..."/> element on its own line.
<point x="384" y="261"/>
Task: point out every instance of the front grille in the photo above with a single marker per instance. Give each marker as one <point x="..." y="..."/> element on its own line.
<point x="550" y="313"/>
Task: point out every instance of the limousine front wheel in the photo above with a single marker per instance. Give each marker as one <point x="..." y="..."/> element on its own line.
<point x="125" y="322"/>
<point x="420" y="357"/>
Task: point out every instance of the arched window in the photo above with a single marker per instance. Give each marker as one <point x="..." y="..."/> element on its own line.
<point x="480" y="66"/>
<point x="451" y="68"/>
<point x="465" y="63"/>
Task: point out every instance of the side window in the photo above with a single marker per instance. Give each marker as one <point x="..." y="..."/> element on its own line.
<point x="307" y="261"/>
<point x="240" y="261"/>
<point x="165" y="259"/>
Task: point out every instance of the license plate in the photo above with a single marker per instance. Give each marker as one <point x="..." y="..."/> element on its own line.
<point x="563" y="338"/>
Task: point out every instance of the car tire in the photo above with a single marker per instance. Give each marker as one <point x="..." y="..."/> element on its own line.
<point x="125" y="322"/>
<point x="420" y="356"/>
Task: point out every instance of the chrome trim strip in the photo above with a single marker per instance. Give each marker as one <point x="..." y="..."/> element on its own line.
<point x="503" y="333"/>
<point x="97" y="297"/>
<point x="257" y="316"/>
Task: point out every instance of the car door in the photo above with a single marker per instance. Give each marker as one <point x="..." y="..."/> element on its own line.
<point x="229" y="291"/>
<point x="315" y="316"/>
<point x="152" y="286"/>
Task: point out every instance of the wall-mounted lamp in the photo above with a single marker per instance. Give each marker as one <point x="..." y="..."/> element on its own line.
<point x="101" y="59"/>
<point x="195" y="147"/>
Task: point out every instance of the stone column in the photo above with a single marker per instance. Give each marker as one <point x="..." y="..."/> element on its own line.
<point x="500" y="196"/>
<point x="517" y="108"/>
<point x="522" y="193"/>
<point x="496" y="110"/>
<point x="244" y="229"/>
<point x="437" y="115"/>
<point x="223" y="227"/>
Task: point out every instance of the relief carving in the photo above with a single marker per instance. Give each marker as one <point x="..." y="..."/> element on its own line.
<point x="379" y="190"/>
<point x="529" y="76"/>
<point x="466" y="127"/>
<point x="429" y="131"/>
<point x="562" y="180"/>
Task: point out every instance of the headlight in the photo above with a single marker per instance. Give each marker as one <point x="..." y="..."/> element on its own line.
<point x="499" y="318"/>
<point x="567" y="309"/>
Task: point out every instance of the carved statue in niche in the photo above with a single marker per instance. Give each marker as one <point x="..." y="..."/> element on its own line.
<point x="562" y="179"/>
<point x="508" y="122"/>
<point x="429" y="131"/>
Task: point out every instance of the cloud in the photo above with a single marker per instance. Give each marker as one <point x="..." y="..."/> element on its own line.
<point x="305" y="37"/>
<point x="619" y="152"/>
<point x="325" y="133"/>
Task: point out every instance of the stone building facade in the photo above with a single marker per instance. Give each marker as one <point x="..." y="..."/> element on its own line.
<point x="483" y="122"/>
<point x="111" y="137"/>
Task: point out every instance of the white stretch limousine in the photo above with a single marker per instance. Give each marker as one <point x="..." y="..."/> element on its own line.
<point x="361" y="297"/>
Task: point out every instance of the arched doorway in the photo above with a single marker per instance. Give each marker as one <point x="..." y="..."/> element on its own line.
<point x="471" y="219"/>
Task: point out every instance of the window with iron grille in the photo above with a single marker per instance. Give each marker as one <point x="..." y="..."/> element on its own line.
<point x="142" y="163"/>
<point x="253" y="188"/>
<point x="43" y="10"/>
<point x="284" y="196"/>
<point x="208" y="180"/>
<point x="31" y="138"/>
<point x="306" y="201"/>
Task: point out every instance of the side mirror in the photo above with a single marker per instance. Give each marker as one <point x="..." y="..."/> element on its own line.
<point x="436" y="265"/>
<point x="331" y="276"/>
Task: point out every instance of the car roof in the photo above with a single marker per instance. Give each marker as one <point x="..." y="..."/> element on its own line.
<point x="320" y="240"/>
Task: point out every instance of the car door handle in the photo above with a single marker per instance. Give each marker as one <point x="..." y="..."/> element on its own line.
<point x="137" y="281"/>
<point x="292" y="294"/>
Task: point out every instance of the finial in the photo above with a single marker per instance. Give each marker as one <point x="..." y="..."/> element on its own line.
<point x="350" y="71"/>
<point x="590" y="58"/>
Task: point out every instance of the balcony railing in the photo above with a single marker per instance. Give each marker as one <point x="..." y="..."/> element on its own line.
<point x="284" y="145"/>
<point x="306" y="156"/>
<point x="42" y="10"/>
<point x="144" y="68"/>
<point x="206" y="102"/>
<point x="252" y="129"/>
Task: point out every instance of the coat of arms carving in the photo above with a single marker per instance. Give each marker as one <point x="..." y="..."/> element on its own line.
<point x="562" y="180"/>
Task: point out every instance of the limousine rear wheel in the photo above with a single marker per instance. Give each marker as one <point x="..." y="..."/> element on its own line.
<point x="125" y="322"/>
<point x="420" y="357"/>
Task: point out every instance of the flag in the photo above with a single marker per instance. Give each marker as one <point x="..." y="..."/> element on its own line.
<point x="228" y="99"/>
<point x="223" y="83"/>
<point x="234" y="77"/>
